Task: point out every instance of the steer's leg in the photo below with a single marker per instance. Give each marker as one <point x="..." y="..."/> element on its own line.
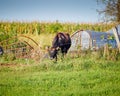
<point x="62" y="56"/>
<point x="56" y="58"/>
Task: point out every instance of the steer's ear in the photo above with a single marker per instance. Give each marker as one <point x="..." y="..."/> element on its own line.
<point x="58" y="48"/>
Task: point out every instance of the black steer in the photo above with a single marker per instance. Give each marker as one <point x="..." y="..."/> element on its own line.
<point x="61" y="41"/>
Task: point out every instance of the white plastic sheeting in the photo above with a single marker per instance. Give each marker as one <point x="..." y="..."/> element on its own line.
<point x="93" y="40"/>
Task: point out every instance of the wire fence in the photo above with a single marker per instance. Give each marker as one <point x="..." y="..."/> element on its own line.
<point x="21" y="48"/>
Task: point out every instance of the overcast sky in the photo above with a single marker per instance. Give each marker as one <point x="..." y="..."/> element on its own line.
<point x="49" y="10"/>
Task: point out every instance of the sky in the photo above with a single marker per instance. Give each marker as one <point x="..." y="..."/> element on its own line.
<point x="49" y="10"/>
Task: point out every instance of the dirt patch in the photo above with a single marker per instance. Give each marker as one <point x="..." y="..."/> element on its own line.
<point x="8" y="65"/>
<point x="13" y="65"/>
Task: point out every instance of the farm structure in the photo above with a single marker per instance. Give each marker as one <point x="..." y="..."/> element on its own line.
<point x="21" y="47"/>
<point x="94" y="40"/>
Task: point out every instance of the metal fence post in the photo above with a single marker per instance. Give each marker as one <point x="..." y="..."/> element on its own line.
<point x="115" y="31"/>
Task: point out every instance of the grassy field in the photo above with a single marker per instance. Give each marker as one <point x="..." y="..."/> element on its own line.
<point x="74" y="76"/>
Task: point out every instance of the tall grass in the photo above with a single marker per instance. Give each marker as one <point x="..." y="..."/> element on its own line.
<point x="77" y="76"/>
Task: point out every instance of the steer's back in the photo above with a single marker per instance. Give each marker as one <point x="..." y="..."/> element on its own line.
<point x="63" y="41"/>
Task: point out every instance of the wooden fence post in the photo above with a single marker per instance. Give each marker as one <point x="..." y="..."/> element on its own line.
<point x="115" y="31"/>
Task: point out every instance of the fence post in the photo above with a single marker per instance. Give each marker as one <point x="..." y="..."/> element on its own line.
<point x="115" y="31"/>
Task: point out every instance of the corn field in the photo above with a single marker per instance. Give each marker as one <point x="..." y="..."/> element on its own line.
<point x="9" y="29"/>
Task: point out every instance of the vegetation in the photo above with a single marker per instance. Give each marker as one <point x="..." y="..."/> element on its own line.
<point x="38" y="28"/>
<point x="111" y="10"/>
<point x="83" y="74"/>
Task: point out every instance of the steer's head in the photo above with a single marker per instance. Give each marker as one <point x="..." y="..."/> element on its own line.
<point x="53" y="52"/>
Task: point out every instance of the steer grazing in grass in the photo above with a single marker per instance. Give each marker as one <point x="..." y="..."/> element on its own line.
<point x="62" y="42"/>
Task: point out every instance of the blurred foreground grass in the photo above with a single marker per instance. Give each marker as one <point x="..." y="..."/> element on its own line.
<point x="77" y="76"/>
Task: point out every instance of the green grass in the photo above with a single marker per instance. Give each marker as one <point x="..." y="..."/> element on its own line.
<point x="70" y="77"/>
<point x="73" y="76"/>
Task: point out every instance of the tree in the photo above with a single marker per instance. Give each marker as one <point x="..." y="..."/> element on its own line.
<point x="111" y="10"/>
